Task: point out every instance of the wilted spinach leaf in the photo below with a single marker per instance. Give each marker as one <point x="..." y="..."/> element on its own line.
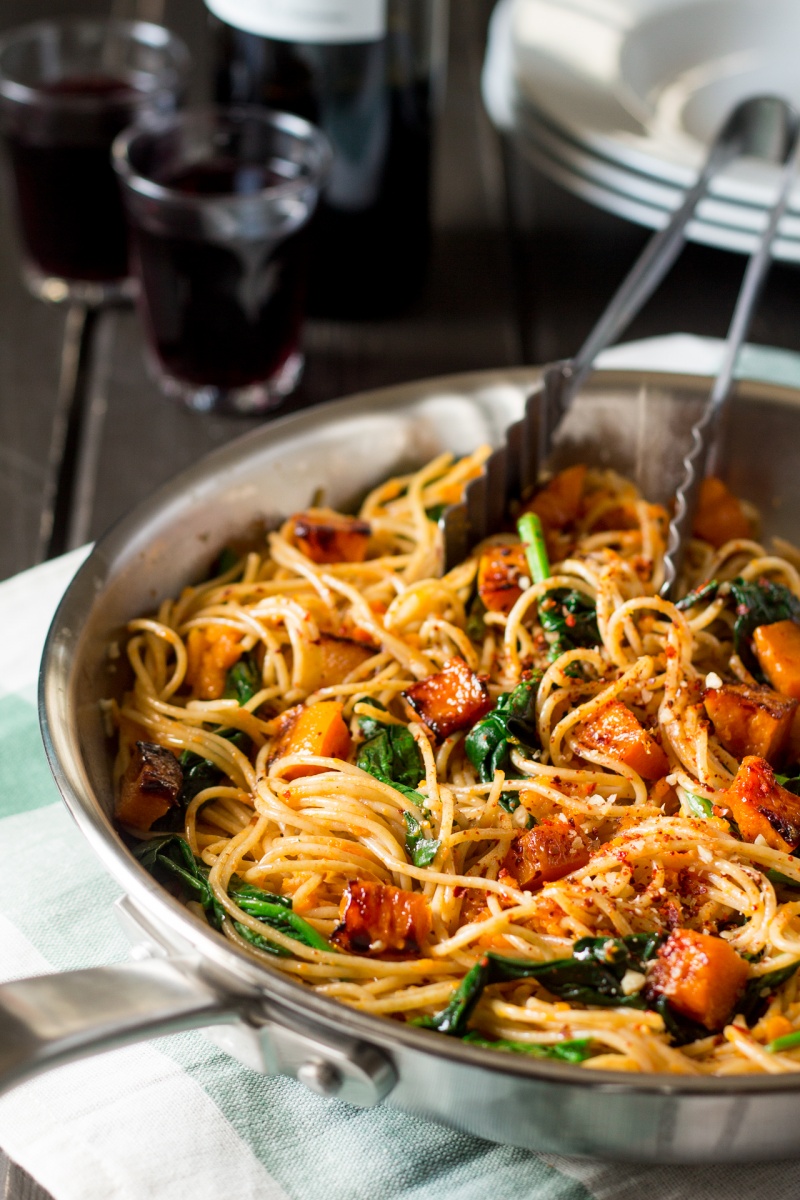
<point x="173" y="854"/>
<point x="761" y="603"/>
<point x="574" y="1051"/>
<point x="777" y="877"/>
<point x="592" y="976"/>
<point x="572" y="617"/>
<point x="790" y="782"/>
<point x="242" y="681"/>
<point x="476" y="626"/>
<point x="390" y="752"/>
<point x="421" y="849"/>
<point x="410" y="793"/>
<point x="758" y="991"/>
<point x="512" y="722"/>
<point x="148" y="852"/>
<point x="275" y="911"/>
<point x="700" y="806"/>
<point x="755" y="602"/>
<point x="200" y="773"/>
<point x="706" y="592"/>
<point x="681" y="1029"/>
<point x="595" y="972"/>
<point x="454" y="1016"/>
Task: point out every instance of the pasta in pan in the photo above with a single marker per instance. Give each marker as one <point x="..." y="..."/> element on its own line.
<point x="528" y="803"/>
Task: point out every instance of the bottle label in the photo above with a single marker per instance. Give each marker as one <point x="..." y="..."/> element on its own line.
<point x="321" y="21"/>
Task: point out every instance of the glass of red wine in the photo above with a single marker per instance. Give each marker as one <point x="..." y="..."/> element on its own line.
<point x="219" y="202"/>
<point x="67" y="88"/>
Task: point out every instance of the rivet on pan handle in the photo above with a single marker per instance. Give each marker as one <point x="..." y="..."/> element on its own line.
<point x="52" y="1019"/>
<point x="267" y="1036"/>
<point x="353" y="1071"/>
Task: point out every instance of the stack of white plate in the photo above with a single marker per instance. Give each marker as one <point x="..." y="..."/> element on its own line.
<point x="617" y="100"/>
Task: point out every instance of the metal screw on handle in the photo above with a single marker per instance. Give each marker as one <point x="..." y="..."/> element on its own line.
<point x="320" y="1077"/>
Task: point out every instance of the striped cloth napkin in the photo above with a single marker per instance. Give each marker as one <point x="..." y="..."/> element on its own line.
<point x="177" y="1118"/>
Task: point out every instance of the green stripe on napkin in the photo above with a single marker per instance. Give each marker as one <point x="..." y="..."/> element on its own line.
<point x="55" y="891"/>
<point x="25" y="779"/>
<point x="319" y="1148"/>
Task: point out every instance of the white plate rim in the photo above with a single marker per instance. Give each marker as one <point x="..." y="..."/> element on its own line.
<point x="749" y="182"/>
<point x="641" y="188"/>
<point x="640" y="212"/>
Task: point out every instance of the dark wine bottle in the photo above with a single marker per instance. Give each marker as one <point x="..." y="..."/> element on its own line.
<point x="368" y="73"/>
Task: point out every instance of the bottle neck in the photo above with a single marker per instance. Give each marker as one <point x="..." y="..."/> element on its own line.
<point x="326" y="22"/>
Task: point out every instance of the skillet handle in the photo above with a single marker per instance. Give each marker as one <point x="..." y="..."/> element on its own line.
<point x="51" y="1019"/>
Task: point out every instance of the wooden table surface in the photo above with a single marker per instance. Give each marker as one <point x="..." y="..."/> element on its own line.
<point x="520" y="271"/>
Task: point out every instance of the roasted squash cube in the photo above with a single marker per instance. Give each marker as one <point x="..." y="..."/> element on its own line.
<point x="545" y="853"/>
<point x="720" y="517"/>
<point x="777" y="648"/>
<point x="761" y="806"/>
<point x="621" y="516"/>
<point x="330" y="660"/>
<point x="615" y="731"/>
<point x="452" y="699"/>
<point x="558" y="503"/>
<point x="317" y="729"/>
<point x="750" y="720"/>
<point x="701" y="976"/>
<point x="501" y="570"/>
<point x="211" y="652"/>
<point x="326" y="536"/>
<point x="150" y="786"/>
<point x="382" y="920"/>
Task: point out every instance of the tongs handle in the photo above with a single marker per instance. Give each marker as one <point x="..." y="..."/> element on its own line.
<point x="706" y="430"/>
<point x="764" y="127"/>
<point x="749" y="130"/>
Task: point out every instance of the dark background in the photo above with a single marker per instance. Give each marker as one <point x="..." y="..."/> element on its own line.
<point x="520" y="270"/>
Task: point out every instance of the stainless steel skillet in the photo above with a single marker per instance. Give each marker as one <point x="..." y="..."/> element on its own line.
<point x="185" y="974"/>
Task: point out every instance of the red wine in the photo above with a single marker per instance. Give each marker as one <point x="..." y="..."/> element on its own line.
<point x="70" y="210"/>
<point x="371" y="233"/>
<point x="218" y="315"/>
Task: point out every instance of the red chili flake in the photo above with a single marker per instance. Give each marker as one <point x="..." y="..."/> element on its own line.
<point x="458" y="891"/>
<point x="569" y="621"/>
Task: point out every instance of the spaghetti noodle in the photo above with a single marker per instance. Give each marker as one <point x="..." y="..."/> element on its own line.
<point x="494" y="802"/>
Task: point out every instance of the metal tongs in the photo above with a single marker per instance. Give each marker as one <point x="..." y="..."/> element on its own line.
<point x="765" y="127"/>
